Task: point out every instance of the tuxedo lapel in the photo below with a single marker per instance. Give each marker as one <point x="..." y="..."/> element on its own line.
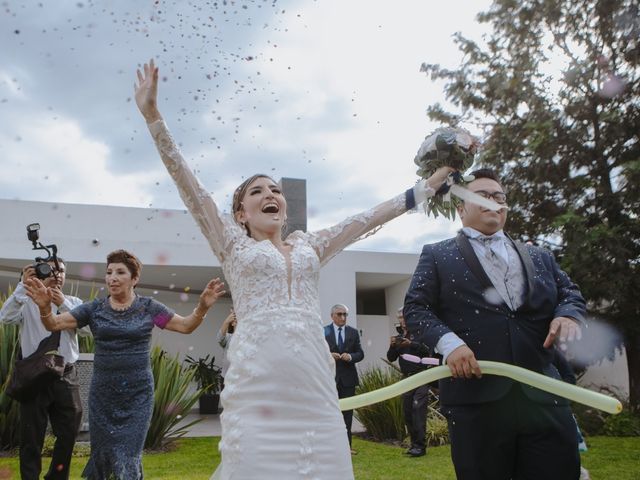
<point x="471" y="259"/>
<point x="528" y="266"/>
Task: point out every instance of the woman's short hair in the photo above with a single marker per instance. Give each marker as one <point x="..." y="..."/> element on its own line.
<point x="129" y="259"/>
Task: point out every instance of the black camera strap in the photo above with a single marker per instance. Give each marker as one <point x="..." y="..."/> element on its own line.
<point x="47" y="344"/>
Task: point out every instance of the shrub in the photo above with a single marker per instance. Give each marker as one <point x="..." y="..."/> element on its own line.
<point x="80" y="449"/>
<point x="590" y="420"/>
<point x="173" y="399"/>
<point x="206" y="373"/>
<point x="437" y="426"/>
<point x="383" y="420"/>
<point x="625" y="424"/>
<point x="86" y="344"/>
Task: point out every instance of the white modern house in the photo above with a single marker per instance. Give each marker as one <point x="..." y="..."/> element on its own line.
<point x="178" y="263"/>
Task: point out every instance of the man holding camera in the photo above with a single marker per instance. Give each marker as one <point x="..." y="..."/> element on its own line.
<point x="414" y="402"/>
<point x="57" y="400"/>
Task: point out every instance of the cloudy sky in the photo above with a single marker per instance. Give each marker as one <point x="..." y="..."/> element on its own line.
<point x="326" y="90"/>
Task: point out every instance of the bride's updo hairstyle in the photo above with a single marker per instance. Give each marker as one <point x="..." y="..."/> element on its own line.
<point x="238" y="196"/>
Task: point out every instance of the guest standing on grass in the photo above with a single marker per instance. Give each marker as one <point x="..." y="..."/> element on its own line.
<point x="484" y="296"/>
<point x="346" y="350"/>
<point x="121" y="394"/>
<point x="57" y="400"/>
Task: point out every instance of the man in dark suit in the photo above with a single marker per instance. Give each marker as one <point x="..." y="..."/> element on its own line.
<point x="483" y="296"/>
<point x="344" y="344"/>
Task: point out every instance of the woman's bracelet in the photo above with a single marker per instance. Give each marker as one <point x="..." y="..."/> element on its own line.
<point x="199" y="315"/>
<point x="47" y="315"/>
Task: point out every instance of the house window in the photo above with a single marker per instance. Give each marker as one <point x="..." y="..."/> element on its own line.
<point x="371" y="302"/>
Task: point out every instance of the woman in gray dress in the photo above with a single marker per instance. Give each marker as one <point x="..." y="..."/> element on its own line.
<point x="121" y="394"/>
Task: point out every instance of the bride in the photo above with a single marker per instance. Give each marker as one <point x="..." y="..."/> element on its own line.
<point x="281" y="418"/>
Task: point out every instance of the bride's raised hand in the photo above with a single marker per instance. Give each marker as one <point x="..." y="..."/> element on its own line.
<point x="439" y="177"/>
<point x="146" y="92"/>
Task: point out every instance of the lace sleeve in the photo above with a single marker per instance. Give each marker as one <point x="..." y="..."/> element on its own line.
<point x="331" y="241"/>
<point x="219" y="229"/>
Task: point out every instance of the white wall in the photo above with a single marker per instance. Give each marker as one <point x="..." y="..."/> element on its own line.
<point x="611" y="375"/>
<point x="338" y="285"/>
<point x="395" y="298"/>
<point x="374" y="336"/>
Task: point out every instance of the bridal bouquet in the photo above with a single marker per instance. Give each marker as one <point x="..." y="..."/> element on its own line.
<point x="452" y="147"/>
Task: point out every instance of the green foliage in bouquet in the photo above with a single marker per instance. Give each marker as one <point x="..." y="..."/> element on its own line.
<point x="445" y="147"/>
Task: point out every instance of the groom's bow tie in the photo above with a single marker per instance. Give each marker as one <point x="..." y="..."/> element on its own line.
<point x="489" y="240"/>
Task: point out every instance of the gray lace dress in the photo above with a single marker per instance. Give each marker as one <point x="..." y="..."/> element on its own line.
<point x="121" y="394"/>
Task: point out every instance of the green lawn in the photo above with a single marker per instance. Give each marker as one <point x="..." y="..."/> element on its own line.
<point x="195" y="459"/>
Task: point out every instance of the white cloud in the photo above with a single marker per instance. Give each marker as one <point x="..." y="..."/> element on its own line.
<point x="53" y="160"/>
<point x="332" y="93"/>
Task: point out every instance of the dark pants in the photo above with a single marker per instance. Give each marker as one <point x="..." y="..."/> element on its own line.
<point x="414" y="405"/>
<point x="344" y="392"/>
<point x="59" y="402"/>
<point x="513" y="438"/>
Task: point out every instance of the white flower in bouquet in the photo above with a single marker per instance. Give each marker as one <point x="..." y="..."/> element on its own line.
<point x="446" y="147"/>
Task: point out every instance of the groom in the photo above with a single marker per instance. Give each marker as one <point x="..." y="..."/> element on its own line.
<point x="484" y="296"/>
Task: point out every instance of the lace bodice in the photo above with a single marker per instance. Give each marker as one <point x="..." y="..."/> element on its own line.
<point x="257" y="272"/>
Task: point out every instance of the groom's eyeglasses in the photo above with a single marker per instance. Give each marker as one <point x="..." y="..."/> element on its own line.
<point x="498" y="197"/>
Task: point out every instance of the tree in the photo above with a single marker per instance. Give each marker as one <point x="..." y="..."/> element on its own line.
<point x="567" y="145"/>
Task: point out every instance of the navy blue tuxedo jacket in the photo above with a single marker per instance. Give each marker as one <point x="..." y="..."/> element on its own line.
<point x="346" y="372"/>
<point x="447" y="295"/>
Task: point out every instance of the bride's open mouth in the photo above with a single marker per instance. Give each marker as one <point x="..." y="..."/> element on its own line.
<point x="271" y="208"/>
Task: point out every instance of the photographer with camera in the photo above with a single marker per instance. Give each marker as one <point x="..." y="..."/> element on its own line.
<point x="414" y="402"/>
<point x="56" y="400"/>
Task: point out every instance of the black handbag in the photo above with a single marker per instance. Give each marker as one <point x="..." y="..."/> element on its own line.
<point x="36" y="371"/>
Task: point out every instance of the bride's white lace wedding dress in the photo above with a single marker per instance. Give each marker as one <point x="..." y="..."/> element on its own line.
<point x="281" y="418"/>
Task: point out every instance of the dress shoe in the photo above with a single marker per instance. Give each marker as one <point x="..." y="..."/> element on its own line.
<point x="353" y="452"/>
<point x="416" y="452"/>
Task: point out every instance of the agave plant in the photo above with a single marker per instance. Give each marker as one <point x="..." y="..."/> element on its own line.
<point x="383" y="420"/>
<point x="173" y="399"/>
<point x="86" y="342"/>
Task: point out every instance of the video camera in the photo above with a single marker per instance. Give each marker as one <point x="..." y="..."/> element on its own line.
<point x="42" y="267"/>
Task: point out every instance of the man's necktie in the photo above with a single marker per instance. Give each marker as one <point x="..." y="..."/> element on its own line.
<point x="491" y="245"/>
<point x="340" y="340"/>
